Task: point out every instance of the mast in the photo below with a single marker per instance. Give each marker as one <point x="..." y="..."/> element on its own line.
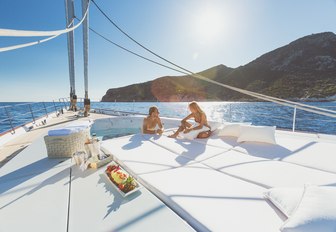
<point x="70" y="15"/>
<point x="86" y="57"/>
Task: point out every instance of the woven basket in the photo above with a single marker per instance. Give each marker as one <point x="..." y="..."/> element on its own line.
<point x="66" y="145"/>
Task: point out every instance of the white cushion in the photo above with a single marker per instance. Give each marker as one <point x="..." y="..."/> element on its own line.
<point x="285" y="199"/>
<point x="231" y="129"/>
<point x="214" y="125"/>
<point x="193" y="134"/>
<point x="316" y="211"/>
<point x="263" y="134"/>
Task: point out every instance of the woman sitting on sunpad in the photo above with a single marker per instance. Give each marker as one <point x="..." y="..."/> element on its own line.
<point x="152" y="121"/>
<point x="200" y="129"/>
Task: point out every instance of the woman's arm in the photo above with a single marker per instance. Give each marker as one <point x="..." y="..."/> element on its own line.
<point x="201" y="123"/>
<point x="188" y="117"/>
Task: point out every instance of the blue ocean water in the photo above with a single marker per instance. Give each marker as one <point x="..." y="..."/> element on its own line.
<point x="19" y="113"/>
<point x="259" y="113"/>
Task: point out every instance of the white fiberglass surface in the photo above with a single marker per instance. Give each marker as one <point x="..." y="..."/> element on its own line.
<point x="95" y="205"/>
<point x="34" y="191"/>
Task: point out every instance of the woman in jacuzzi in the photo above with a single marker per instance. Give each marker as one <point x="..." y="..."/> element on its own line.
<point x="152" y="123"/>
<point x="200" y="129"/>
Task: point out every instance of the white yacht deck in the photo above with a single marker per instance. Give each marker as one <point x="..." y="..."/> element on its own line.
<point x="42" y="194"/>
<point x="217" y="184"/>
<point x="214" y="184"/>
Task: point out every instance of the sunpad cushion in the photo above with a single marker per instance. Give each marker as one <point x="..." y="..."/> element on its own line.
<point x="214" y="125"/>
<point x="286" y="199"/>
<point x="231" y="129"/>
<point x="263" y="134"/>
<point x="316" y="211"/>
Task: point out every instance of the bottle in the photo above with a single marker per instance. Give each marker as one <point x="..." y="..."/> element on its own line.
<point x="94" y="147"/>
<point x="94" y="137"/>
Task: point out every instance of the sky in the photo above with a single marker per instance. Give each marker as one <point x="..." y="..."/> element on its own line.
<point x="195" y="34"/>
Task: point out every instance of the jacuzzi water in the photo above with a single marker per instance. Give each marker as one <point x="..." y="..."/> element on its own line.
<point x="109" y="133"/>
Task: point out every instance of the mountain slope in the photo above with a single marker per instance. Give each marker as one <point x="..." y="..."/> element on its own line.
<point x="305" y="68"/>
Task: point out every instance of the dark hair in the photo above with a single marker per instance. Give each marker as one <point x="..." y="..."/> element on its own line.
<point x="152" y="109"/>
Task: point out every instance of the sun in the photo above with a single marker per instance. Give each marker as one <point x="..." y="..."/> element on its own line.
<point x="209" y="24"/>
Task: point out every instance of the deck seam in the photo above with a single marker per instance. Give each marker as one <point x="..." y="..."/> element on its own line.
<point x="69" y="197"/>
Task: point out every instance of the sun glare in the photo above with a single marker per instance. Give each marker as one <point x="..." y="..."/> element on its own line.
<point x="209" y="24"/>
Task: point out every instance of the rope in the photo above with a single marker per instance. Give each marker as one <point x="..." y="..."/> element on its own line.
<point x="301" y="106"/>
<point x="206" y="79"/>
<point x="52" y="34"/>
<point x="27" y="44"/>
<point x="27" y="33"/>
<point x="136" y="54"/>
<point x="271" y="99"/>
<point x="147" y="49"/>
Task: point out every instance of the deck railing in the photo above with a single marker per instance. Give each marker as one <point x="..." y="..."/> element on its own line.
<point x="13" y="116"/>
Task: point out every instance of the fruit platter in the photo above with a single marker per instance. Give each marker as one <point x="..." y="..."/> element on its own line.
<point x="124" y="183"/>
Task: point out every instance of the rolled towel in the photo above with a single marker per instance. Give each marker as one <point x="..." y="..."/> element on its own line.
<point x="77" y="128"/>
<point x="62" y="131"/>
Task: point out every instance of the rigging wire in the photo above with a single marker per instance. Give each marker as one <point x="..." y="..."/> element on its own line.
<point x="251" y="93"/>
<point x="136" y="54"/>
<point x="298" y="105"/>
<point x="3" y="49"/>
<point x="128" y="36"/>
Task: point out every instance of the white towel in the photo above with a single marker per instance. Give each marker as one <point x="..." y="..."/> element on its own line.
<point x="62" y="131"/>
<point x="193" y="134"/>
<point x="66" y="130"/>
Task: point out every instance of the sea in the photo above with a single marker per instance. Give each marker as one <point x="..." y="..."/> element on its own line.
<point x="257" y="113"/>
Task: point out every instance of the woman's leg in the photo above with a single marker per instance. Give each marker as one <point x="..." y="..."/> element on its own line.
<point x="186" y="125"/>
<point x="181" y="128"/>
